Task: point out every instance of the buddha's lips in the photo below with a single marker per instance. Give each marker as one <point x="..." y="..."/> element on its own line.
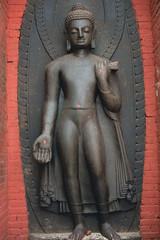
<point x="80" y="40"/>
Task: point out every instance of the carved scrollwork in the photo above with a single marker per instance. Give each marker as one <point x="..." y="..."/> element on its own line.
<point x="49" y="45"/>
<point x="116" y="37"/>
<point x="43" y="33"/>
<point x="31" y="190"/>
<point x="139" y="96"/>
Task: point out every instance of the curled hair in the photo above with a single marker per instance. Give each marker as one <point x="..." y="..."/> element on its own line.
<point x="78" y="12"/>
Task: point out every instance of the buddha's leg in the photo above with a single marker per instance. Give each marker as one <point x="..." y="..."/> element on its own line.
<point x="67" y="143"/>
<point x="94" y="152"/>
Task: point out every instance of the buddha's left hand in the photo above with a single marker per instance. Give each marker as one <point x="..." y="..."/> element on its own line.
<point x="102" y="72"/>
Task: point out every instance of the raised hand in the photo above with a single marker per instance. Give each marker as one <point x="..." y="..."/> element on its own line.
<point x="42" y="148"/>
<point x="102" y="72"/>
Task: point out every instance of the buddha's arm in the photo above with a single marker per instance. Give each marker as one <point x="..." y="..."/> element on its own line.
<point x="43" y="144"/>
<point x="107" y="80"/>
<point x="51" y="99"/>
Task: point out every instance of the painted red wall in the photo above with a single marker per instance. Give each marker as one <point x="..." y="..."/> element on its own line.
<point x="3" y="131"/>
<point x="17" y="211"/>
<point x="17" y="217"/>
<point x="150" y="209"/>
<point x="155" y="13"/>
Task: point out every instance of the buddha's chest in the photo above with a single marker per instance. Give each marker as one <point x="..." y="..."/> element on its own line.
<point x="78" y="76"/>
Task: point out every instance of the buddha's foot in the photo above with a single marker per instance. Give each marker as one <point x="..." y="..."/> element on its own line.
<point x="107" y="232"/>
<point x="79" y="232"/>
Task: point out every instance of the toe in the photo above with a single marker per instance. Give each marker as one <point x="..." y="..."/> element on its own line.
<point x="70" y="236"/>
<point x="118" y="237"/>
<point x="75" y="237"/>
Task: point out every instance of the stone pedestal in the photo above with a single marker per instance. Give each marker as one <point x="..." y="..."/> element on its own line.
<point x="93" y="236"/>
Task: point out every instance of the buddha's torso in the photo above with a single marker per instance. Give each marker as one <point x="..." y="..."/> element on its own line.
<point x="78" y="81"/>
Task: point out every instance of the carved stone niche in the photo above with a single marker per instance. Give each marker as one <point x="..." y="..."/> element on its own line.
<point x="41" y="42"/>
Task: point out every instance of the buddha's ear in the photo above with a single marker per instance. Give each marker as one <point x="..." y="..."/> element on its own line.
<point x="67" y="40"/>
<point x="93" y="44"/>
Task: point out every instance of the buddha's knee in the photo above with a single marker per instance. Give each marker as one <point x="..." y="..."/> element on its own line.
<point x="71" y="176"/>
<point x="98" y="173"/>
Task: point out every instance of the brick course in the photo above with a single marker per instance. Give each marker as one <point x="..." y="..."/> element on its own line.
<point x="150" y="207"/>
<point x="18" y="216"/>
<point x="155" y="13"/>
<point x="3" y="131"/>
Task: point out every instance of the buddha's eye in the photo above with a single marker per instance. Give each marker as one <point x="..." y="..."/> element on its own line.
<point x="73" y="31"/>
<point x="86" y="30"/>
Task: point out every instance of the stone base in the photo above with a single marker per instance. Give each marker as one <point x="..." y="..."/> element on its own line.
<point x="93" y="236"/>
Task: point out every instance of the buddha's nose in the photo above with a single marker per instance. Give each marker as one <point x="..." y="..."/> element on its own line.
<point x="80" y="33"/>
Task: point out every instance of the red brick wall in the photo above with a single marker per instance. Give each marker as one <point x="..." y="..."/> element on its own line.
<point x="155" y="12"/>
<point x="17" y="218"/>
<point x="3" y="132"/>
<point x="150" y="212"/>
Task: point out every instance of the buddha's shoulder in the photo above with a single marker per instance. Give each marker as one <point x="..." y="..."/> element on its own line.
<point x="70" y="58"/>
<point x="58" y="62"/>
<point x="97" y="58"/>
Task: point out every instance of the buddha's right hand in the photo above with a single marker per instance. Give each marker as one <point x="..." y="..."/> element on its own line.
<point x="42" y="148"/>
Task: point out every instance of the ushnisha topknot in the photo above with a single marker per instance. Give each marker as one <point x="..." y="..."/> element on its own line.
<point x="78" y="6"/>
<point x="78" y="12"/>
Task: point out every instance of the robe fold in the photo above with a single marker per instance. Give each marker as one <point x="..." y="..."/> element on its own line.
<point x="122" y="194"/>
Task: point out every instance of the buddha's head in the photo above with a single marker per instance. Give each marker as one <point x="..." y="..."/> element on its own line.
<point x="79" y="28"/>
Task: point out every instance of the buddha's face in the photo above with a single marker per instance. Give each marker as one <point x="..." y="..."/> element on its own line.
<point x="80" y="33"/>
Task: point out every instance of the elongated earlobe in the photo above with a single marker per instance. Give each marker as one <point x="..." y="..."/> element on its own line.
<point x="93" y="43"/>
<point x="67" y="41"/>
<point x="68" y="45"/>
